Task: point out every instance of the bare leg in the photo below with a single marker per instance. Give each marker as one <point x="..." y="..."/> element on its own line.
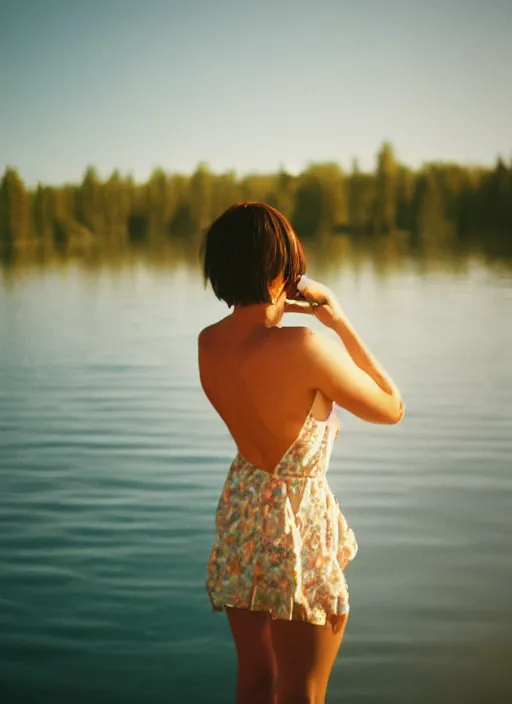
<point x="305" y="655"/>
<point x="257" y="668"/>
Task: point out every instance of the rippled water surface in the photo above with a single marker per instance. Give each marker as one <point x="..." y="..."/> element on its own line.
<point x="111" y="462"/>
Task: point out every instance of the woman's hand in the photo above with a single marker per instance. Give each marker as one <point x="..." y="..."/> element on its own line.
<point x="319" y="300"/>
<point x="297" y="305"/>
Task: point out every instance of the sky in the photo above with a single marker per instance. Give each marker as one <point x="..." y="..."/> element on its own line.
<point x="250" y="85"/>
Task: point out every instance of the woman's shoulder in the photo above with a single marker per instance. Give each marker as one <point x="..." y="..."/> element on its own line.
<point x="298" y="346"/>
<point x="300" y="335"/>
<point x="296" y="334"/>
<point x="307" y="349"/>
<point x="208" y="334"/>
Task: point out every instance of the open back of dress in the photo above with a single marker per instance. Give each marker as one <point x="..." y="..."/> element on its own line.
<point x="281" y="541"/>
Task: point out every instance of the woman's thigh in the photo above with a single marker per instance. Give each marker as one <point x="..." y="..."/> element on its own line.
<point x="257" y="667"/>
<point x="305" y="655"/>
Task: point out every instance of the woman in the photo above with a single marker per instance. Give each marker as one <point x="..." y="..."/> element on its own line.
<point x="281" y="542"/>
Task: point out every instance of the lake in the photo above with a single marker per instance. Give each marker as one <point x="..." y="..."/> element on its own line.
<point x="112" y="460"/>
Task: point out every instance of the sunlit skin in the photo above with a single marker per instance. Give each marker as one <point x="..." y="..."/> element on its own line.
<point x="262" y="379"/>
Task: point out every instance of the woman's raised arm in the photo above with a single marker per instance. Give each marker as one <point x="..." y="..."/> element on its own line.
<point x="350" y="376"/>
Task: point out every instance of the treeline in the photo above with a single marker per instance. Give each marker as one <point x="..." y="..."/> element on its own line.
<point x="440" y="205"/>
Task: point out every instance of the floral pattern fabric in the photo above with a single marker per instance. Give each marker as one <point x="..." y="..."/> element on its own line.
<point x="281" y="541"/>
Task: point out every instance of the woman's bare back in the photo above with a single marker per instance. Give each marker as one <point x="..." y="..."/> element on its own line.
<point x="254" y="377"/>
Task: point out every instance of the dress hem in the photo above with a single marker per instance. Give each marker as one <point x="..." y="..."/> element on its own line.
<point x="219" y="607"/>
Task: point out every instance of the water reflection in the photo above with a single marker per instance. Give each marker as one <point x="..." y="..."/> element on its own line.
<point x="112" y="462"/>
<point x="330" y="254"/>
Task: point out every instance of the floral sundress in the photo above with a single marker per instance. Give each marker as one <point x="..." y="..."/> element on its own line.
<point x="281" y="541"/>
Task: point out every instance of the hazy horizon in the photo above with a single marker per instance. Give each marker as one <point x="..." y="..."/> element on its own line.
<point x="130" y="86"/>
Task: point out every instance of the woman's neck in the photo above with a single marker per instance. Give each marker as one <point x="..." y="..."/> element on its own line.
<point x="261" y="314"/>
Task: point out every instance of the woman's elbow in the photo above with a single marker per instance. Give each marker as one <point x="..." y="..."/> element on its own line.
<point x="398" y="414"/>
<point x="387" y="411"/>
<point x="391" y="414"/>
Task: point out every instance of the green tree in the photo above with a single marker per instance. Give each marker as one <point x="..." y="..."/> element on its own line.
<point x="433" y="203"/>
<point x="284" y="192"/>
<point x="157" y="205"/>
<point x="181" y="222"/>
<point x="116" y="208"/>
<point x="201" y="195"/>
<point x="384" y="218"/>
<point x="14" y="210"/>
<point x="334" y="214"/>
<point x="432" y="226"/>
<point x="308" y="206"/>
<point x="89" y="203"/>
<point x="42" y="212"/>
<point x="361" y="196"/>
<point x="406" y="184"/>
<point x="225" y="192"/>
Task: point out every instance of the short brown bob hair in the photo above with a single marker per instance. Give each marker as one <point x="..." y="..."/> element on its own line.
<point x="246" y="248"/>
